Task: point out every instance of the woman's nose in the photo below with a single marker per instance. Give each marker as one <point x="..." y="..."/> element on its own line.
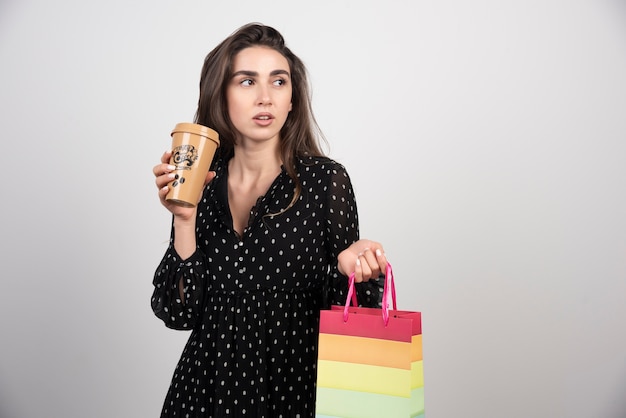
<point x="264" y="96"/>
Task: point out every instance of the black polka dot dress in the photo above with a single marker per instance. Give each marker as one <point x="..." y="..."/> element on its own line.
<point x="252" y="302"/>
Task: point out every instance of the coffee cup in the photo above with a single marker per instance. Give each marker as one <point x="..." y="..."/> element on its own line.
<point x="193" y="148"/>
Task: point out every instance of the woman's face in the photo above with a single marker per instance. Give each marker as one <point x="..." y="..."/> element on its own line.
<point x="259" y="94"/>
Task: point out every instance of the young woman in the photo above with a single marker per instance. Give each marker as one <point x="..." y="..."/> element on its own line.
<point x="270" y="243"/>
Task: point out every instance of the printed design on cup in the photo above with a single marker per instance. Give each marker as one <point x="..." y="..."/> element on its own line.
<point x="184" y="156"/>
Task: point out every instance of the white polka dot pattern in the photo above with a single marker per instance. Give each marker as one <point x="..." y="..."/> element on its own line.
<point x="252" y="302"/>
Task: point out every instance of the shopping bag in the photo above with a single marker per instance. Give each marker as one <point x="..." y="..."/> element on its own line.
<point x="370" y="360"/>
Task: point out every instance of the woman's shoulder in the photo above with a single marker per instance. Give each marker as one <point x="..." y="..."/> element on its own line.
<point x="322" y="171"/>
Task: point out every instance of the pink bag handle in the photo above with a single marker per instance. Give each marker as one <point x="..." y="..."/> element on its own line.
<point x="389" y="295"/>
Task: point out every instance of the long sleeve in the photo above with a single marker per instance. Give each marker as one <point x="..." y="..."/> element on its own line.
<point x="166" y="298"/>
<point x="343" y="230"/>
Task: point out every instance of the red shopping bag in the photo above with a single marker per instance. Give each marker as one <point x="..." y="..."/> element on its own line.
<point x="370" y="360"/>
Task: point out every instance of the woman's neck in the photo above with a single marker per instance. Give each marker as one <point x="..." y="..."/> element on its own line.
<point x="249" y="164"/>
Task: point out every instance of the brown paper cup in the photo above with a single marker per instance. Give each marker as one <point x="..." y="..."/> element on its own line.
<point x="193" y="148"/>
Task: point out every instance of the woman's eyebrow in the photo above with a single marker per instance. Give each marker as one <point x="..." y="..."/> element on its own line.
<point x="246" y="73"/>
<point x="256" y="74"/>
<point x="283" y="72"/>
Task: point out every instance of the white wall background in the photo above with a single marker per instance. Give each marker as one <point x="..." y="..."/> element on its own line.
<point x="487" y="145"/>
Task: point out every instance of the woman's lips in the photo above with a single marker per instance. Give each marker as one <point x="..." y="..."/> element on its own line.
<point x="263" y="119"/>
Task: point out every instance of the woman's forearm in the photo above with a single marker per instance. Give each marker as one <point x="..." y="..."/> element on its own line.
<point x="184" y="237"/>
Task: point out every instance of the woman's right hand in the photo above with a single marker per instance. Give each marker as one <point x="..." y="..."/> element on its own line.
<point x="164" y="174"/>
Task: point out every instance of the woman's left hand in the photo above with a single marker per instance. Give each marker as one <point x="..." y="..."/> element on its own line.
<point x="365" y="258"/>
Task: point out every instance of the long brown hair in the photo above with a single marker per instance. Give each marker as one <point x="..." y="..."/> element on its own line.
<point x="300" y="135"/>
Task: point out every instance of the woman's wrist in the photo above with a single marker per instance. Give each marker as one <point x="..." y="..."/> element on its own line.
<point x="184" y="236"/>
<point x="184" y="222"/>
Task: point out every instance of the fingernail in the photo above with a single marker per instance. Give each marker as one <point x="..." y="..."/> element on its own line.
<point x="378" y="252"/>
<point x="171" y="167"/>
<point x="358" y="262"/>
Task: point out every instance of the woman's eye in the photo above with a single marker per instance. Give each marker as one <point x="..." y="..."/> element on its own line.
<point x="279" y="82"/>
<point x="246" y="82"/>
